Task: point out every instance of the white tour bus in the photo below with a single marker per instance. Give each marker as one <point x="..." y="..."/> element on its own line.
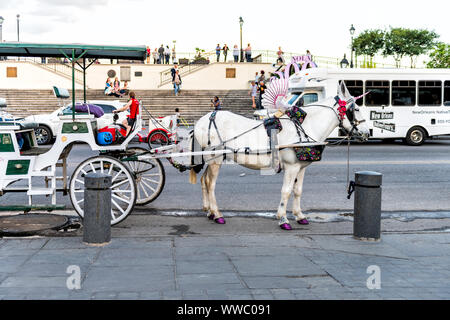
<point x="408" y="104"/>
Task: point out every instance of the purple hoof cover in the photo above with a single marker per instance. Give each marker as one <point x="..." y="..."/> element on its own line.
<point x="211" y="217"/>
<point x="220" y="220"/>
<point x="303" y="221"/>
<point x="286" y="226"/>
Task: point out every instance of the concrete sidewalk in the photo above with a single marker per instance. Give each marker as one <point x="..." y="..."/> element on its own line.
<point x="161" y="257"/>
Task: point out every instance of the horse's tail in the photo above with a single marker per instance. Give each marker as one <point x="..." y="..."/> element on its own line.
<point x="195" y="167"/>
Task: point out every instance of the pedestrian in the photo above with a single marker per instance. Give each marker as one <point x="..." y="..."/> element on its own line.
<point x="236" y="53"/>
<point x="155" y="56"/>
<point x="216" y="103"/>
<point x="252" y="93"/>
<point x="174" y="56"/>
<point x="308" y="54"/>
<point x="176" y="82"/>
<point x="173" y="71"/>
<point x="225" y="52"/>
<point x="148" y="55"/>
<point x="167" y="54"/>
<point x="262" y="89"/>
<point x="257" y="77"/>
<point x="262" y="77"/>
<point x="280" y="54"/>
<point x="218" y="52"/>
<point x="248" y="53"/>
<point x="161" y="55"/>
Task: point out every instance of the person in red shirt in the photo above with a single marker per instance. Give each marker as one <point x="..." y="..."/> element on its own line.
<point x="133" y="106"/>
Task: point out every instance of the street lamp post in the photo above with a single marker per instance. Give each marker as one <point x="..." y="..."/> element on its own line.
<point x="18" y="29"/>
<point x="352" y="32"/>
<point x="241" y="23"/>
<point x="1" y="35"/>
<point x="1" y="31"/>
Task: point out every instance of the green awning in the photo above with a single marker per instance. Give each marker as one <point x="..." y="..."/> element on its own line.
<point x="20" y="49"/>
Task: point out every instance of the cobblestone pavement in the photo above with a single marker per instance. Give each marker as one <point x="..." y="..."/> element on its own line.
<point x="230" y="265"/>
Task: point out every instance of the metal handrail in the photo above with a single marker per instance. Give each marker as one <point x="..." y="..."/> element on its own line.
<point x="165" y="76"/>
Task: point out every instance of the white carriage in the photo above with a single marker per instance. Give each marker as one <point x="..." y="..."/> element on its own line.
<point x="138" y="177"/>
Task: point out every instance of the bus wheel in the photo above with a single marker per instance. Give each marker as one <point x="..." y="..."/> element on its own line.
<point x="415" y="136"/>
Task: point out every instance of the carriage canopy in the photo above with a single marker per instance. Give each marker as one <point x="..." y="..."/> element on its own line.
<point x="75" y="53"/>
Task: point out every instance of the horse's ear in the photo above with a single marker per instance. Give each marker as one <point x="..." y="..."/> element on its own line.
<point x="343" y="91"/>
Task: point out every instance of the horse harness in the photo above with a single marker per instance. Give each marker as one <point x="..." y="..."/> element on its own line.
<point x="297" y="116"/>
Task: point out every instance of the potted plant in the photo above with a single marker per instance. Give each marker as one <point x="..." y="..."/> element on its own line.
<point x="198" y="59"/>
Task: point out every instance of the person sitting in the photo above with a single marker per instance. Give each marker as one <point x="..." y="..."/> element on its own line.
<point x="117" y="86"/>
<point x="125" y="90"/>
<point x="133" y="106"/>
<point x="109" y="89"/>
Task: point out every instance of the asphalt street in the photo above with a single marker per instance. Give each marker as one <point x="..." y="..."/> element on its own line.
<point x="414" y="179"/>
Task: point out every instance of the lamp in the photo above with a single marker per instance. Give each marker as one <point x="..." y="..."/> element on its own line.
<point x="344" y="62"/>
<point x="241" y="23"/>
<point x="352" y="32"/>
<point x="1" y="22"/>
<point x="18" y="38"/>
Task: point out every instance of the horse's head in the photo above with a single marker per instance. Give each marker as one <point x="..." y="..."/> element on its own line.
<point x="351" y="119"/>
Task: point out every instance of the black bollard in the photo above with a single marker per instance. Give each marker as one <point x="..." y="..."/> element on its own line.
<point x="97" y="209"/>
<point x="367" y="206"/>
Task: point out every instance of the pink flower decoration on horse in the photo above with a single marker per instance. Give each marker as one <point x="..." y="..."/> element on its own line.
<point x="342" y="109"/>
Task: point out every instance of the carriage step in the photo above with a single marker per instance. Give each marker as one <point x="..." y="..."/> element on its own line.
<point x="43" y="173"/>
<point x="36" y="207"/>
<point x="40" y="191"/>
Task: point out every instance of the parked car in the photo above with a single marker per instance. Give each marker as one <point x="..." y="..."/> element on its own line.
<point x="48" y="123"/>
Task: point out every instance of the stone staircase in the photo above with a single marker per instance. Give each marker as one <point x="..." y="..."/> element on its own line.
<point x="192" y="103"/>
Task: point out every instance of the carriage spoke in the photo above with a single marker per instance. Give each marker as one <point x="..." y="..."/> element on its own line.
<point x="79" y="181"/>
<point x="154" y="190"/>
<point x="79" y="201"/>
<point x="145" y="191"/>
<point x="115" y="177"/>
<point x="126" y="200"/>
<point x="121" y="191"/>
<point x="150" y="180"/>
<point x="119" y="184"/>
<point x="110" y="168"/>
<point x="139" y="192"/>
<point x="117" y="206"/>
<point x="92" y="167"/>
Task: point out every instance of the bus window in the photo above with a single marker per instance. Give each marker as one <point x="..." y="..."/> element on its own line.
<point x="403" y="93"/>
<point x="310" y="98"/>
<point x="447" y="93"/>
<point x="430" y="93"/>
<point x="355" y="87"/>
<point x="379" y="93"/>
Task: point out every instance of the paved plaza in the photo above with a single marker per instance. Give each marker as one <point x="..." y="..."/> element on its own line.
<point x="162" y="257"/>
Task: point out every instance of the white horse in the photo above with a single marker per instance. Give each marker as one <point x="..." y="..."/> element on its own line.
<point x="322" y="118"/>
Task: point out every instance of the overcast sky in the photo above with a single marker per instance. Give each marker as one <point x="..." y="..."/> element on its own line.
<point x="318" y="25"/>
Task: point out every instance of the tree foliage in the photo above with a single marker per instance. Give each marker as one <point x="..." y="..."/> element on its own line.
<point x="440" y="56"/>
<point x="401" y="42"/>
<point x="369" y="42"/>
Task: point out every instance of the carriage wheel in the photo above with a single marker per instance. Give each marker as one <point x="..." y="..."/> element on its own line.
<point x="157" y="138"/>
<point x="123" y="189"/>
<point x="149" y="175"/>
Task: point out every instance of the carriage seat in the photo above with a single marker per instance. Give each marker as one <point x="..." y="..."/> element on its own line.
<point x="24" y="125"/>
<point x="84" y="108"/>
